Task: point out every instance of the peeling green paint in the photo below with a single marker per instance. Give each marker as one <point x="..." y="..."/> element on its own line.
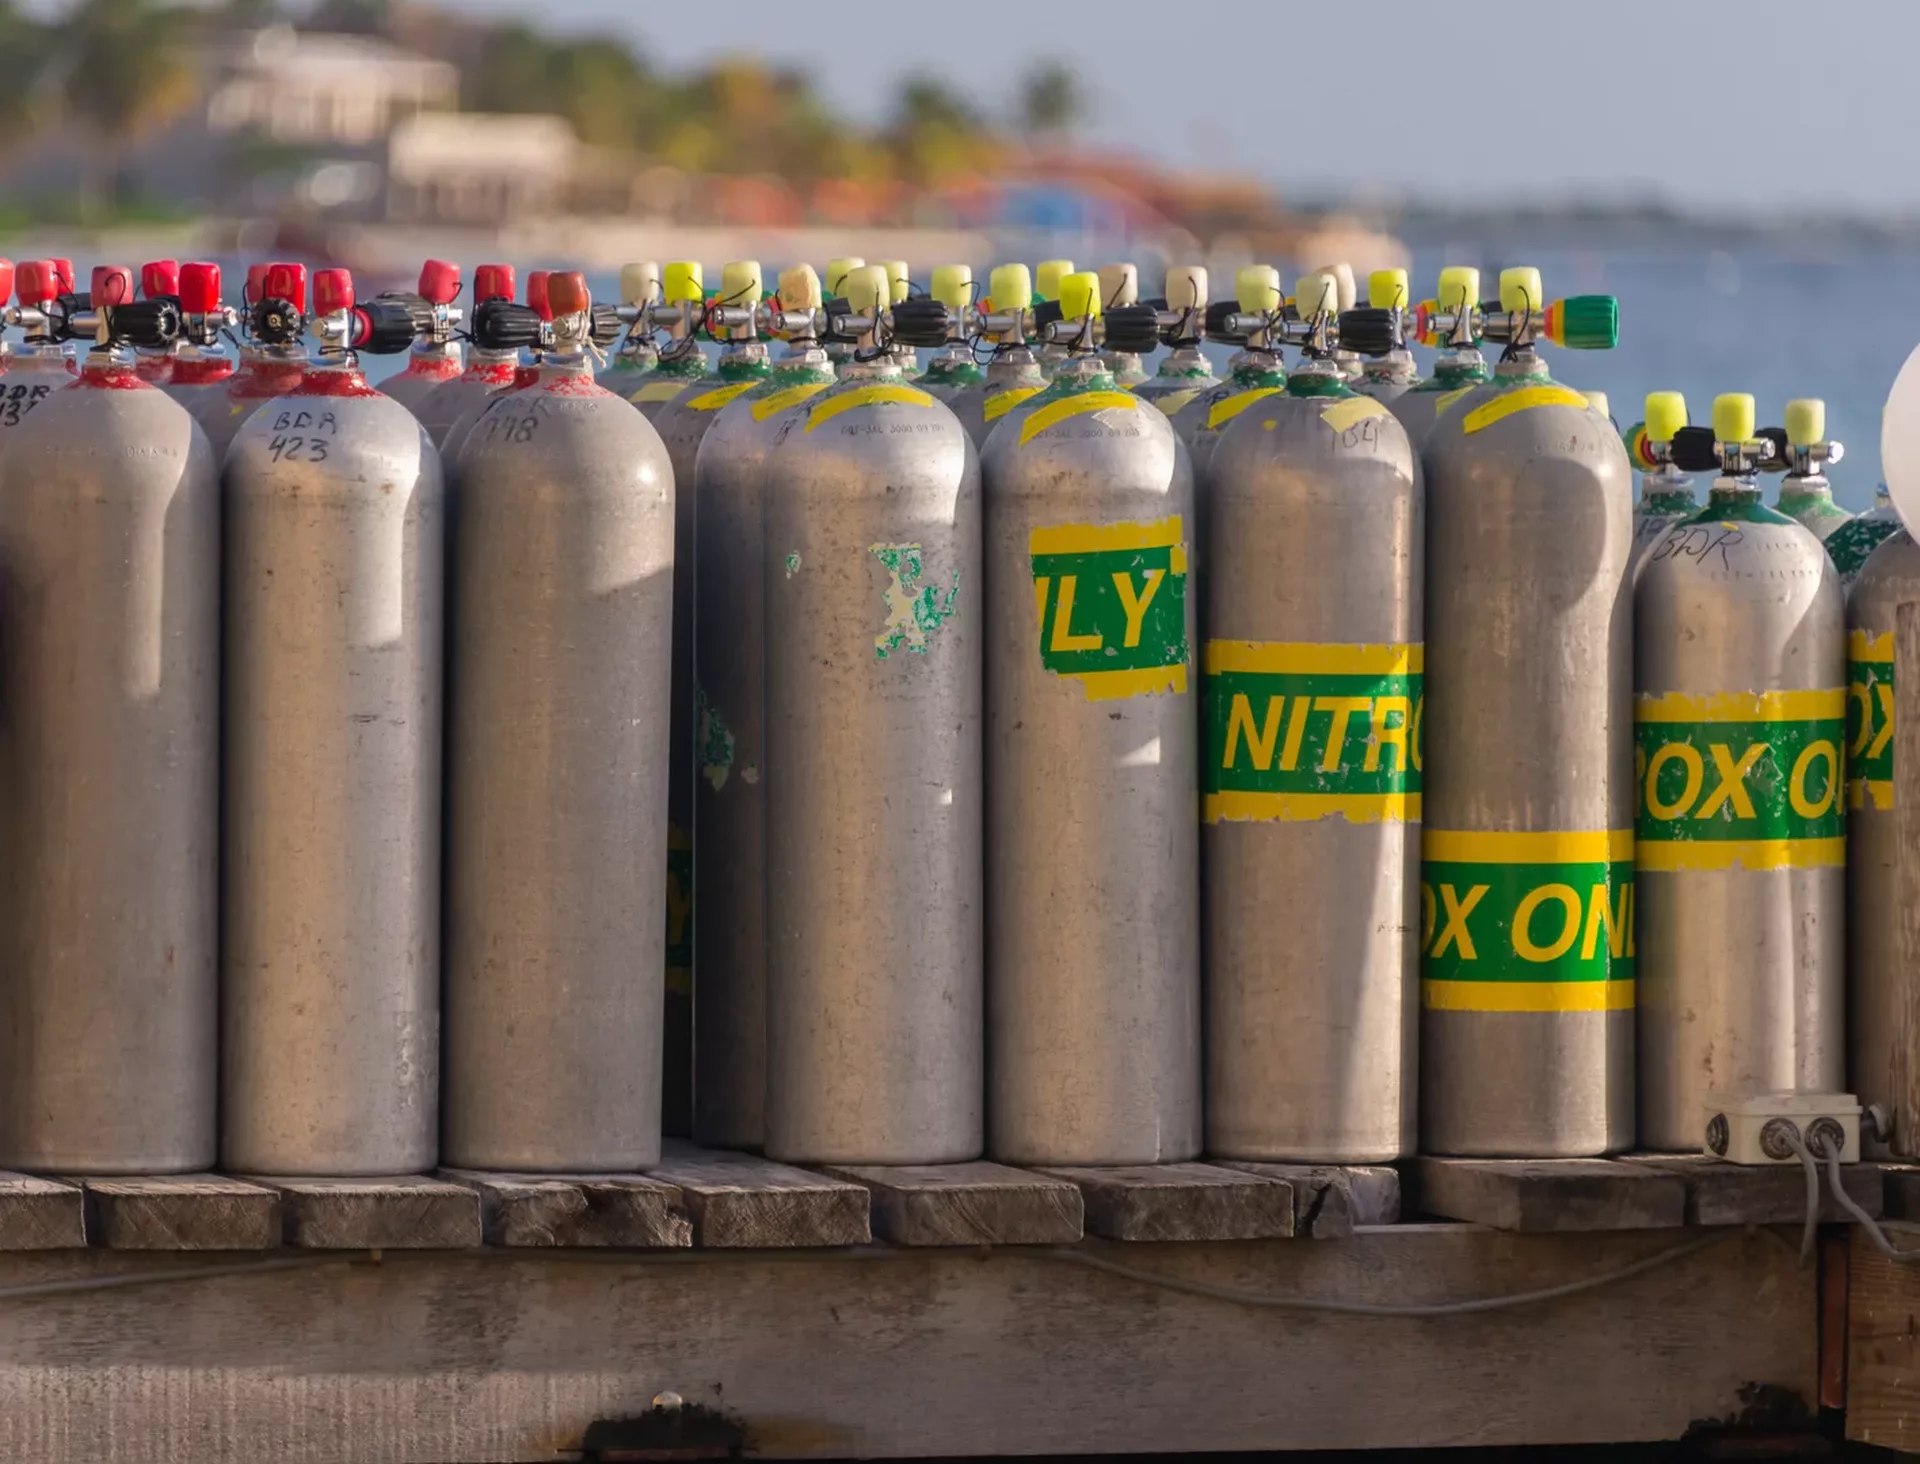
<point x="914" y="611"/>
<point x="792" y="562"/>
<point x="715" y="750"/>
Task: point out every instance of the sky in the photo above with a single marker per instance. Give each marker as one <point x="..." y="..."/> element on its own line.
<point x="1718" y="106"/>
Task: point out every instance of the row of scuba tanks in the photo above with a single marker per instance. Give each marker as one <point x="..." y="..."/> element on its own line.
<point x="941" y="681"/>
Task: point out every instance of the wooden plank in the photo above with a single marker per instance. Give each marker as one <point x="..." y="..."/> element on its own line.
<point x="40" y="1214"/>
<point x="1719" y="1193"/>
<point x="967" y="1204"/>
<point x="1329" y="1200"/>
<point x="181" y="1212"/>
<point x="409" y="1212"/>
<point x="739" y="1200"/>
<point x="887" y="1352"/>
<point x="1883" y="1345"/>
<point x="1904" y="1078"/>
<point x="1540" y="1195"/>
<point x="1900" y="1190"/>
<point x="630" y="1211"/>
<point x="1181" y="1202"/>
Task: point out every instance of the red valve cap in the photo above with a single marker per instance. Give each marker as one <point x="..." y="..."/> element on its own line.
<point x="199" y="288"/>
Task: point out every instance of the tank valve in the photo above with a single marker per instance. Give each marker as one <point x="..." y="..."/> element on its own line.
<point x="1808" y="449"/>
<point x="113" y="317"/>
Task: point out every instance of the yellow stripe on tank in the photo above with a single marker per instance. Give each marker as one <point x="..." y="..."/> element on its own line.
<point x="791" y="396"/>
<point x="1597" y="846"/>
<point x="1521" y="399"/>
<point x="1666" y="856"/>
<point x="1864" y="645"/>
<point x="1002" y="402"/>
<point x="1527" y="996"/>
<point x="1742" y="706"/>
<point x="713" y="401"/>
<point x="1098" y="538"/>
<point x="1354" y="410"/>
<point x="1147" y="681"/>
<point x="879" y="394"/>
<point x="1313" y="658"/>
<point x="1227" y="409"/>
<point x="1054" y="413"/>
<point x="1240" y="807"/>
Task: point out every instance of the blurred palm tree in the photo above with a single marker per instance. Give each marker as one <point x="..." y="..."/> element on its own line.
<point x="124" y="71"/>
<point x="1051" y="101"/>
<point x="940" y="135"/>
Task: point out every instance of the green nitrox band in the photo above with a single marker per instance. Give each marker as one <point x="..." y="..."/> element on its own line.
<point x="1870" y="719"/>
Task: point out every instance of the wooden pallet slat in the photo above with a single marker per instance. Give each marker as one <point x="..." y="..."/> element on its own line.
<point x="1181" y="1202"/>
<point x="407" y="1212"/>
<point x="1329" y="1200"/>
<point x="967" y="1204"/>
<point x="181" y="1212"/>
<point x="742" y="1201"/>
<point x="1543" y="1195"/>
<point x="1719" y="1193"/>
<point x="40" y="1214"/>
<point x="628" y="1211"/>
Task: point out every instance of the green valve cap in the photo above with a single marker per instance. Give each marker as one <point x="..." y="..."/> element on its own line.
<point x="1584" y="322"/>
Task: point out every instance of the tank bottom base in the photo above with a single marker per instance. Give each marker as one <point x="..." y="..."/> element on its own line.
<point x="107" y="1166"/>
<point x="1255" y="1152"/>
<point x="1037" y="1157"/>
<point x="629" y="1161"/>
<point x="825" y="1154"/>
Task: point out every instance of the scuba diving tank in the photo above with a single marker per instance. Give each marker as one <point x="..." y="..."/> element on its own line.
<point x="1182" y="319"/>
<point x="1849" y="545"/>
<point x="639" y="289"/>
<point x="1739" y="722"/>
<point x="1312" y="673"/>
<point x="1391" y="373"/>
<point x="1450" y="322"/>
<point x="1093" y="928"/>
<point x="110" y="675"/>
<point x="330" y="951"/>
<point x="272" y="363"/>
<point x="1120" y="290"/>
<point x="732" y="317"/>
<point x="873" y="801"/>
<point x="900" y="288"/>
<point x="954" y="370"/>
<point x="199" y="368"/>
<point x="1878" y="1049"/>
<point x="1257" y="316"/>
<point x="1655" y="446"/>
<point x="679" y="317"/>
<point x="560" y="594"/>
<point x="1527" y="844"/>
<point x="834" y="289"/>
<point x="730" y="791"/>
<point x="159" y="280"/>
<point x="486" y="372"/>
<point x="1047" y="275"/>
<point x="38" y="364"/>
<point x="1806" y="496"/>
<point x="1013" y="370"/>
<point x="435" y="356"/>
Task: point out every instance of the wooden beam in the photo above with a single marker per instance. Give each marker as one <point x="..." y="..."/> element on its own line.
<point x="1545" y="1195"/>
<point x="1329" y="1200"/>
<point x="181" y="1212"/>
<point x="1181" y="1202"/>
<point x="738" y="1200"/>
<point x="40" y="1214"/>
<point x="1901" y="1190"/>
<point x="410" y="1212"/>
<point x="967" y="1204"/>
<point x="1904" y="1079"/>
<point x="1719" y="1193"/>
<point x="629" y="1211"/>
<point x="1883" y="1346"/>
<point x="515" y="1355"/>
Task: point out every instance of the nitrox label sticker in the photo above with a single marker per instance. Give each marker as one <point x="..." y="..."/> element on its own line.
<point x="1748" y="780"/>
<point x="1527" y="922"/>
<point x="1300" y="731"/>
<point x="679" y="910"/>
<point x="1870" y="719"/>
<point x="1112" y="605"/>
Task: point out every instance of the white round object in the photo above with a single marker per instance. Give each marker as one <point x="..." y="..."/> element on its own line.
<point x="1900" y="442"/>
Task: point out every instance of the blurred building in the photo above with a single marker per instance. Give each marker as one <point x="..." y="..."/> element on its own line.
<point x="478" y="167"/>
<point x="319" y="89"/>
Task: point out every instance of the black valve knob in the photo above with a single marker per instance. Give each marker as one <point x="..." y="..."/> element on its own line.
<point x="501" y="325"/>
<point x="144" y="324"/>
<point x="384" y="326"/>
<point x="605" y="325"/>
<point x="920" y="320"/>
<point x="1133" y="328"/>
<point x="1369" y="331"/>
<point x="1692" y="450"/>
<point x="1218" y="314"/>
<point x="276" y="322"/>
<point x="1782" y="458"/>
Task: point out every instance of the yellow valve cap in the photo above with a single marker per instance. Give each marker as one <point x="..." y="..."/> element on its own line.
<point x="866" y="289"/>
<point x="1080" y="295"/>
<point x="639" y="283"/>
<point x="953" y="285"/>
<point x="837" y="272"/>
<point x="799" y="288"/>
<point x="1733" y="417"/>
<point x="1047" y="275"/>
<point x="897" y="287"/>
<point x="1257" y="287"/>
<point x="683" y="281"/>
<point x="1387" y="289"/>
<point x="1317" y="294"/>
<point x="1187" y="287"/>
<point x="1119" y="285"/>
<point x="1520" y="290"/>
<point x="740" y="282"/>
<point x="1598" y="401"/>
<point x="1806" y="421"/>
<point x="1666" y="415"/>
<point x="1459" y="289"/>
<point x="1010" y="287"/>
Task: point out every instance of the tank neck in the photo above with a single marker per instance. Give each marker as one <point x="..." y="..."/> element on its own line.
<point x="880" y="368"/>
<point x="954" y="367"/>
<point x="434" y="355"/>
<point x="1806" y="488"/>
<point x="685" y="360"/>
<point x="1014" y="366"/>
<point x="113" y="370"/>
<point x="1183" y="362"/>
<point x="1523" y="368"/>
<point x="1260" y="368"/>
<point x="742" y="360"/>
<point x="1665" y="489"/>
<point x="1391" y="369"/>
<point x="1077" y="374"/>
<point x="804" y="359"/>
<point x="1317" y="376"/>
<point x="335" y="378"/>
<point x="638" y="350"/>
